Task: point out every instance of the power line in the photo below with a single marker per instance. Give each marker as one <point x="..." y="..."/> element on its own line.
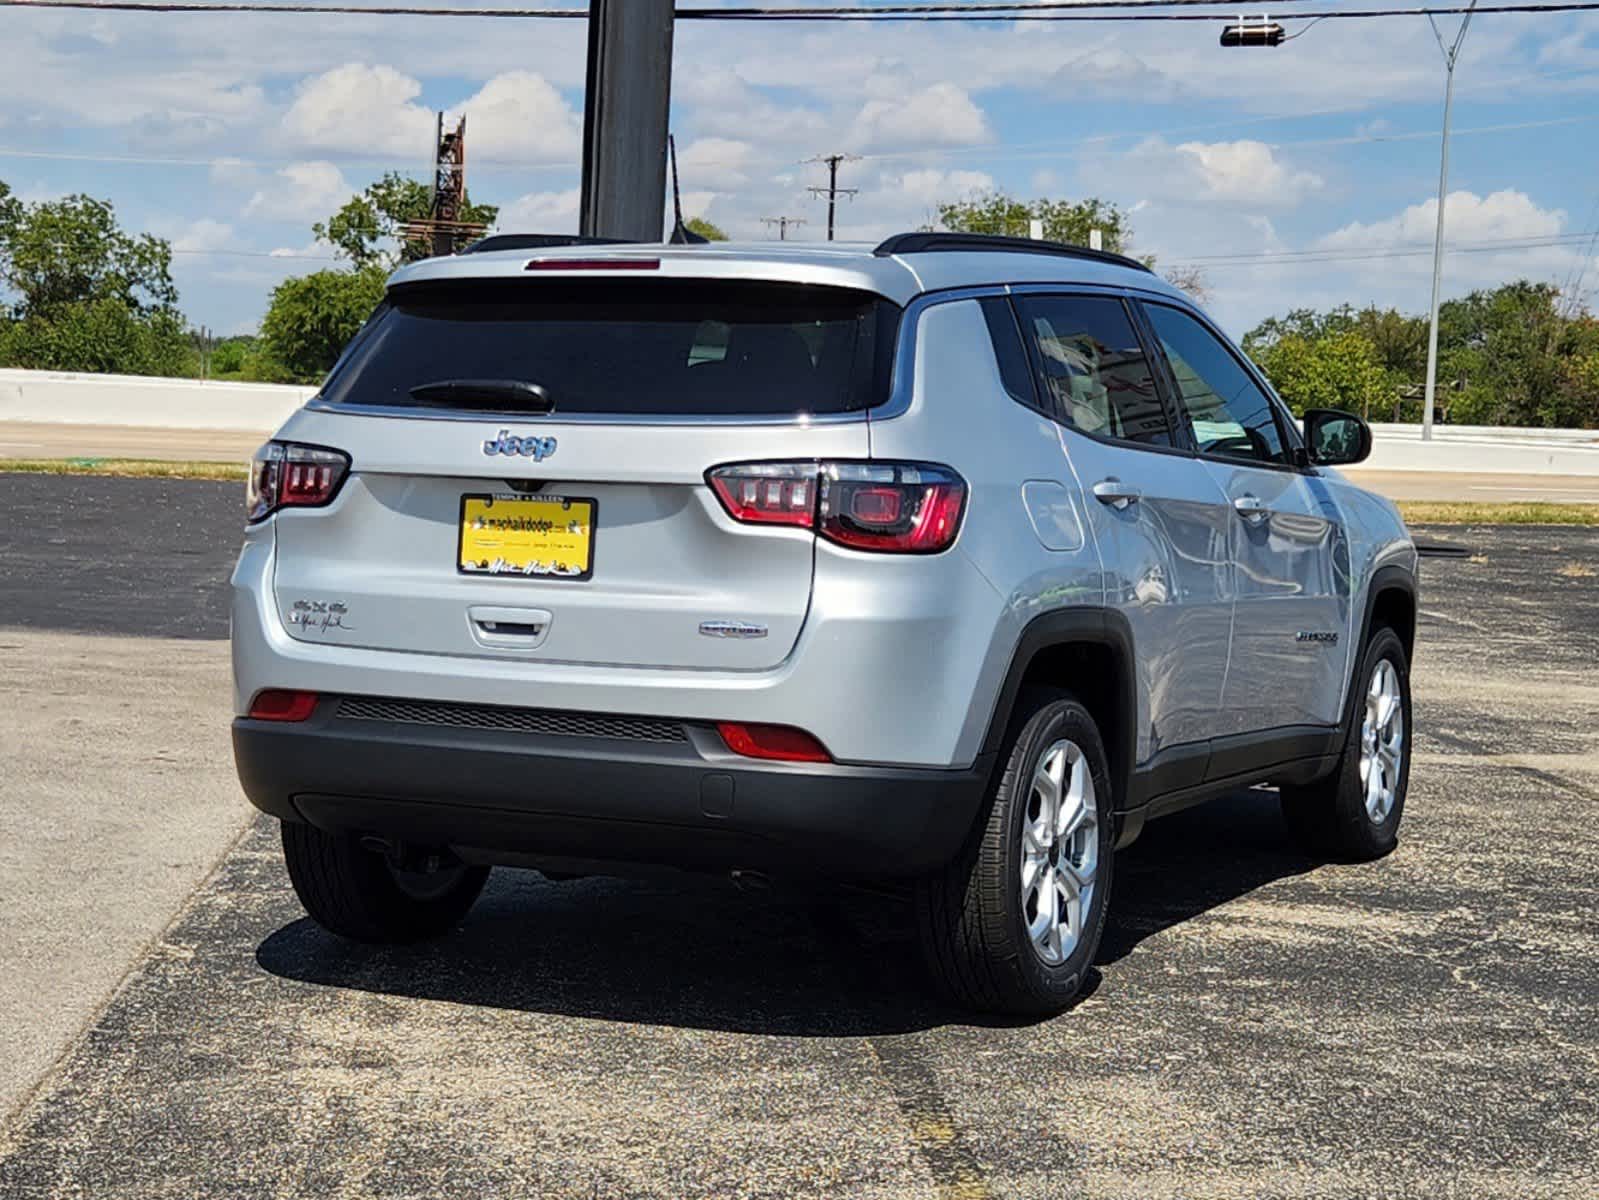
<point x="1052" y="10"/>
<point x="1023" y="150"/>
<point x="1330" y="255"/>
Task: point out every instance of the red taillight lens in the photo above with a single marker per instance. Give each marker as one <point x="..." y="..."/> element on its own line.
<point x="289" y="475"/>
<point x="279" y="704"/>
<point x="892" y="507"/>
<point x="779" y="742"/>
<point x="767" y="493"/>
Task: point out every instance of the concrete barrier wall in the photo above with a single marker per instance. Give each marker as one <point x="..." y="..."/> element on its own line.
<point x="76" y="399"/>
<point x="73" y="399"/>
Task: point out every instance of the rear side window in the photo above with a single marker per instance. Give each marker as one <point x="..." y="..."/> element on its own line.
<point x="1009" y="353"/>
<point x="1093" y="368"/>
<point x="646" y="348"/>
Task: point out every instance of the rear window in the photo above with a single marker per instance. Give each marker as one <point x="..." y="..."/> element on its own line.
<point x="640" y="347"/>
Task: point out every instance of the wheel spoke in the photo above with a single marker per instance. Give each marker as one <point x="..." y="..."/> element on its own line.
<point x="1033" y="865"/>
<point x="1077" y="806"/>
<point x="1048" y="780"/>
<point x="1045" y="918"/>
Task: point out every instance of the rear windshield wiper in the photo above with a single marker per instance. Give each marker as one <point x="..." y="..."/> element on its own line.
<point x="497" y="395"/>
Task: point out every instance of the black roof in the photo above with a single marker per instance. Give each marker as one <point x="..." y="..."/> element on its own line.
<point x="928" y="243"/>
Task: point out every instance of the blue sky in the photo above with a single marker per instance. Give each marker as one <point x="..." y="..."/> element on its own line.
<point x="231" y="134"/>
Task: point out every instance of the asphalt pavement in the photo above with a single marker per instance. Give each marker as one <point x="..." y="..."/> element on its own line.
<point x="1258" y="1024"/>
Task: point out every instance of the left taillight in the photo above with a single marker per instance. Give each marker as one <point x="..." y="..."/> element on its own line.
<point x="887" y="507"/>
<point x="291" y="475"/>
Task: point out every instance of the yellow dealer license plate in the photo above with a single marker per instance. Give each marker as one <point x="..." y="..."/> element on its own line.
<point x="529" y="537"/>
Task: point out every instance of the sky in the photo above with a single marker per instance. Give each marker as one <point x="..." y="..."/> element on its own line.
<point x="230" y="134"/>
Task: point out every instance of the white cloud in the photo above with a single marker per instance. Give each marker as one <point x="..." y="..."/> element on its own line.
<point x="1468" y="218"/>
<point x="522" y="117"/>
<point x="232" y="172"/>
<point x="362" y="109"/>
<point x="316" y="249"/>
<point x="1243" y="175"/>
<point x="929" y="186"/>
<point x="940" y="115"/>
<point x="714" y="162"/>
<point x="541" y="212"/>
<point x="1249" y="173"/>
<point x="203" y="235"/>
<point x="517" y="115"/>
<point x="308" y="191"/>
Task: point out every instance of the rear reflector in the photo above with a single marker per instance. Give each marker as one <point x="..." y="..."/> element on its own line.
<point x="889" y="507"/>
<point x="279" y="704"/>
<point x="779" y="742"/>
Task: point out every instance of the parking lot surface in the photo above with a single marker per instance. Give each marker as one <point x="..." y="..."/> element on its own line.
<point x="1258" y="1024"/>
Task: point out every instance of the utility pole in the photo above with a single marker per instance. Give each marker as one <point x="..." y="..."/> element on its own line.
<point x="1451" y="53"/>
<point x="624" y="119"/>
<point x="832" y="191"/>
<point x="782" y="224"/>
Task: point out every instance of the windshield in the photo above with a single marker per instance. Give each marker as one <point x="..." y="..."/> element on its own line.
<point x="656" y="347"/>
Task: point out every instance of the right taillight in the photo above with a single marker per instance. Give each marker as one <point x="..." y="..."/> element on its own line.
<point x="290" y="475"/>
<point x="888" y="507"/>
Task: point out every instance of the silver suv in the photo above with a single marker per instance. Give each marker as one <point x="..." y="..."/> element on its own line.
<point x="943" y="564"/>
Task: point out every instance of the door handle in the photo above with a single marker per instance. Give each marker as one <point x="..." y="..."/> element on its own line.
<point x="1251" y="508"/>
<point x="1115" y="493"/>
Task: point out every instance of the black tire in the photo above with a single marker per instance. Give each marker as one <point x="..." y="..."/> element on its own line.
<point x="351" y="891"/>
<point x="1329" y="818"/>
<point x="972" y="917"/>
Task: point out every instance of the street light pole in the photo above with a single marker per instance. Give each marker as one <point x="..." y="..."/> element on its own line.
<point x="1451" y="53"/>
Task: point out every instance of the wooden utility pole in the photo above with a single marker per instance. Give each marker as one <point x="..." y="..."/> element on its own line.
<point x="832" y="191"/>
<point x="782" y="224"/>
<point x="624" y="119"/>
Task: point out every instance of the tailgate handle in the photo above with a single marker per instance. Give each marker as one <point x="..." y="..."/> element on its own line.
<point x="509" y="628"/>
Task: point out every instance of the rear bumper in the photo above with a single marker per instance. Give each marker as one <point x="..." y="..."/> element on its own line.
<point x="494" y="795"/>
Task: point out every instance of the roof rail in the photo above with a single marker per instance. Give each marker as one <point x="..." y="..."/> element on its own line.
<point x="927" y="243"/>
<point x="537" y="241"/>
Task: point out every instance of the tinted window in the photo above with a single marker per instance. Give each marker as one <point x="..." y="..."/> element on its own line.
<point x="1092" y="367"/>
<point x="1009" y="353"/>
<point x="1231" y="416"/>
<point x="655" y="347"/>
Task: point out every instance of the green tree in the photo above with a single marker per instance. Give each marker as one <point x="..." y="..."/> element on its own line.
<point x="710" y="232"/>
<point x="97" y="335"/>
<point x="78" y="293"/>
<point x="369" y="222"/>
<point x="72" y="251"/>
<point x="10" y="214"/>
<point x="313" y="317"/>
<point x="1337" y="370"/>
<point x="1064" y="220"/>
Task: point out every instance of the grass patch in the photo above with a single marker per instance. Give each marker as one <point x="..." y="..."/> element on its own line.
<point x="1443" y="512"/>
<point x="136" y="468"/>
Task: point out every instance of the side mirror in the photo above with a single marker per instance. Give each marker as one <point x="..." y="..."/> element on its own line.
<point x="1334" y="438"/>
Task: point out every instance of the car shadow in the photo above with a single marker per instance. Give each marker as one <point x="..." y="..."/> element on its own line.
<point x="701" y="954"/>
<point x="1194" y="861"/>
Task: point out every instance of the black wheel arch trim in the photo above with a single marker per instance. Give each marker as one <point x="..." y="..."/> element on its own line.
<point x="1084" y="626"/>
<point x="1389" y="578"/>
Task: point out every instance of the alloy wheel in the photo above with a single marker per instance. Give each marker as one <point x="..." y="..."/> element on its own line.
<point x="1060" y="851"/>
<point x="1382" y="741"/>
